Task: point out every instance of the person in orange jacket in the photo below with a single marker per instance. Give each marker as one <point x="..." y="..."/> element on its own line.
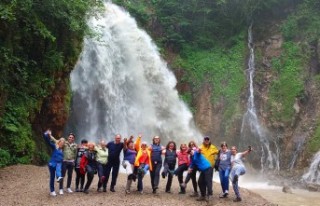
<point x="142" y="162"/>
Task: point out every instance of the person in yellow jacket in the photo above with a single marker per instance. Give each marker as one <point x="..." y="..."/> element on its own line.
<point x="209" y="151"/>
<point x="142" y="162"/>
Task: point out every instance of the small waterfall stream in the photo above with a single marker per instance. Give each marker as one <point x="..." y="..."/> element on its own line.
<point x="251" y="130"/>
<point x="121" y="85"/>
<point x="313" y="174"/>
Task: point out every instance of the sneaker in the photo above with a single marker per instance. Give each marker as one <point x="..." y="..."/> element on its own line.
<point x="201" y="198"/>
<point x="59" y="179"/>
<point x="182" y="192"/>
<point x="112" y="189"/>
<point x="223" y="195"/>
<point x="81" y="190"/>
<point x="237" y="199"/>
<point x="77" y="190"/>
<point x="168" y="191"/>
<point x="61" y="192"/>
<point x="226" y="193"/>
<point x="104" y="190"/>
<point x="53" y="194"/>
<point x="183" y="185"/>
<point x="235" y="179"/>
<point x="69" y="190"/>
<point x="85" y="191"/>
<point x="195" y="194"/>
<point x="98" y="189"/>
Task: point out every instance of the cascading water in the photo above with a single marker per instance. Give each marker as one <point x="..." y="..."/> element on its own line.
<point x="251" y="131"/>
<point x="120" y="85"/>
<point x="313" y="174"/>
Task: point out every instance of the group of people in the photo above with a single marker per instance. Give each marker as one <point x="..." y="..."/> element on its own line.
<point x="140" y="158"/>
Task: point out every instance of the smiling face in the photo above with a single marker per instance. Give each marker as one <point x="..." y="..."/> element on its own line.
<point x="131" y="145"/>
<point x="156" y="140"/>
<point x="71" y="138"/>
<point x="117" y="138"/>
<point x="233" y="150"/>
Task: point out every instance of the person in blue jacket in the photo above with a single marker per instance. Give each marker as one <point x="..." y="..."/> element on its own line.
<point x="205" y="177"/>
<point x="56" y="159"/>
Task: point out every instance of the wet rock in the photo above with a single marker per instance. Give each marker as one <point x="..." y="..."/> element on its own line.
<point x="286" y="189"/>
<point x="313" y="187"/>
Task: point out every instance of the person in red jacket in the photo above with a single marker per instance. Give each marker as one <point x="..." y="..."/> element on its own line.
<point x="88" y="164"/>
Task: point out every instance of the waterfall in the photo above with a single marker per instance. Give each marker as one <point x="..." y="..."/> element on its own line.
<point x="313" y="174"/>
<point x="251" y="130"/>
<point x="120" y="85"/>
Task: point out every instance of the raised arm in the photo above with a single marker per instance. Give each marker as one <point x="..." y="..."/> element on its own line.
<point x="47" y="137"/>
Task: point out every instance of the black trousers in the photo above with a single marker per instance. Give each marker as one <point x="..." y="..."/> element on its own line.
<point x="114" y="166"/>
<point x="170" y="175"/>
<point x="80" y="178"/>
<point x="205" y="182"/>
<point x="193" y="177"/>
<point x="67" y="167"/>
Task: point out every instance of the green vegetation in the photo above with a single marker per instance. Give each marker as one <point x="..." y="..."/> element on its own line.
<point x="223" y="69"/>
<point x="289" y="83"/>
<point x="39" y="41"/>
<point x="314" y="143"/>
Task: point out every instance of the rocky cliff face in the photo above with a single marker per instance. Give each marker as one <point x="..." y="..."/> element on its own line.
<point x="292" y="136"/>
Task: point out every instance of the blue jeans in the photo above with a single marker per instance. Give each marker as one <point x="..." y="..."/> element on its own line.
<point x="102" y="168"/>
<point x="224" y="179"/>
<point x="237" y="170"/>
<point x="54" y="170"/>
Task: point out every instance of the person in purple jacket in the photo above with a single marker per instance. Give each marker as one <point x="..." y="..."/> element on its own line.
<point x="55" y="161"/>
<point x="130" y="153"/>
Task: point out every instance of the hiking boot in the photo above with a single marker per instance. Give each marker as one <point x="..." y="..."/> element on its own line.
<point x="69" y="190"/>
<point x="163" y="174"/>
<point x="59" y="179"/>
<point x="209" y="198"/>
<point x="235" y="179"/>
<point x="61" y="192"/>
<point x="237" y="199"/>
<point x="201" y="198"/>
<point x="195" y="194"/>
<point x="53" y="194"/>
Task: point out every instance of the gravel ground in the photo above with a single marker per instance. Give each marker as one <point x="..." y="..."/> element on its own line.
<point x="29" y="185"/>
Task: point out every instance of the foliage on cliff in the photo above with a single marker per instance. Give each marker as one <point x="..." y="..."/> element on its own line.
<point x="39" y="43"/>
